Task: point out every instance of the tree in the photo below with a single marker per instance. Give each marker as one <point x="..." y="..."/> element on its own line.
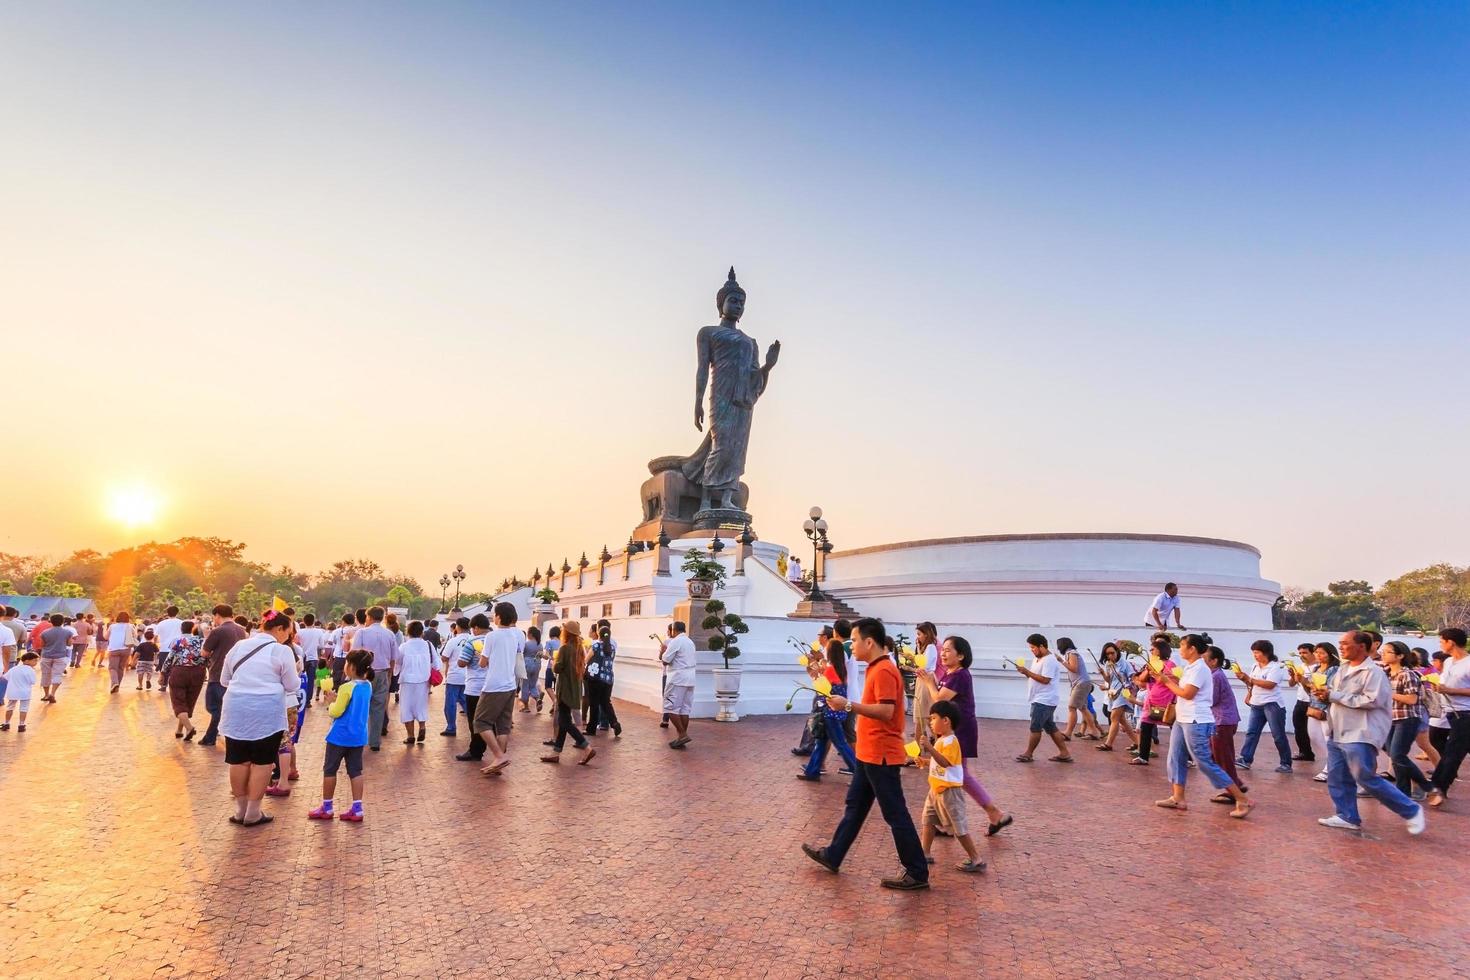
<point x="1429" y="598"/>
<point x="728" y="629"/>
<point x="1347" y="604"/>
<point x="249" y="601"/>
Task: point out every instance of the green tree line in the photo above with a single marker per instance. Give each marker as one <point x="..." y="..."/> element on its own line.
<point x="1424" y="599"/>
<point x="197" y="573"/>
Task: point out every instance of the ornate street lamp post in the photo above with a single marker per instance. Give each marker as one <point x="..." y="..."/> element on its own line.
<point x="816" y="532"/>
<point x="459" y="576"/>
<point x="444" y="593"/>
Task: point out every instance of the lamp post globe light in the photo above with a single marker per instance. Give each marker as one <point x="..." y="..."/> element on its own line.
<point x="444" y="593"/>
<point x="815" y="527"/>
<point x="459" y="576"/>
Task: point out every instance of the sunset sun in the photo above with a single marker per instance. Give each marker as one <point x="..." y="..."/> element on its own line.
<point x="133" y="505"/>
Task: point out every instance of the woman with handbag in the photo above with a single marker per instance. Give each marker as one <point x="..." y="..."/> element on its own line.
<point x="1157" y="708"/>
<point x="258" y="673"/>
<point x="1195" y="725"/>
<point x="415" y="670"/>
<point x="1117" y="679"/>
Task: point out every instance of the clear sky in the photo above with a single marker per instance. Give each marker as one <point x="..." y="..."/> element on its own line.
<point x="420" y="282"/>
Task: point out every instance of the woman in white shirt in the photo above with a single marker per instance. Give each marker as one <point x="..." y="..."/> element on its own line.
<point x="927" y="644"/>
<point x="1266" y="695"/>
<point x="415" y="662"/>
<point x="259" y="673"/>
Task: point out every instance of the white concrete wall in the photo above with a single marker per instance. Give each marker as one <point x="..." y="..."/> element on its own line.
<point x="769" y="672"/>
<point x="993" y="591"/>
<point x="1097" y="579"/>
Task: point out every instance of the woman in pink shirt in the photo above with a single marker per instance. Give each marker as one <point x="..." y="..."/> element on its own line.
<point x="1156" y="701"/>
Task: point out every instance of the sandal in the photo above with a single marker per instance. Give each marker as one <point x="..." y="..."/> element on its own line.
<point x="971" y="867"/>
<point x="1060" y="758"/>
<point x="996" y="828"/>
<point x="1223" y="798"/>
<point x="1171" y="804"/>
<point x="591" y="754"/>
<point x="264" y="818"/>
<point x="1242" y="809"/>
<point x="1435" y="799"/>
<point x="1024" y="758"/>
<point x="1104" y="747"/>
<point x="1136" y="761"/>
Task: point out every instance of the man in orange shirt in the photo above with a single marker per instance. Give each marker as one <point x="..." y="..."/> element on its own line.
<point x="881" y="758"/>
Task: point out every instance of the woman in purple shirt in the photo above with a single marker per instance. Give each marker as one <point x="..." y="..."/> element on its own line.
<point x="1227" y="719"/>
<point x="951" y="681"/>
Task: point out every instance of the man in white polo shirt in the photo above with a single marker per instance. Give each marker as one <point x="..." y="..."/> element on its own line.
<point x="678" y="654"/>
<point x="1166" y="603"/>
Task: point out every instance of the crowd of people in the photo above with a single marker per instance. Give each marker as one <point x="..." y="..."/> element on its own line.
<point x="260" y="677"/>
<point x="1355" y="698"/>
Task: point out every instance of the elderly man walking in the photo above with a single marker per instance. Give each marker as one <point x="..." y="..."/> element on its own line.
<point x="1359" y="711"/>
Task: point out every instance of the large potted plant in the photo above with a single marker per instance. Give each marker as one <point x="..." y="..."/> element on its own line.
<point x="726" y="628"/>
<point x="706" y="574"/>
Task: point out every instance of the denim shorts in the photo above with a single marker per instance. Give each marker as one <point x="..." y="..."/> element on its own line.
<point x="1041" y="717"/>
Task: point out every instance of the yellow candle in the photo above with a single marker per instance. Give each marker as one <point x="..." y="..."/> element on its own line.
<point x="1020" y="661"/>
<point x="803" y="660"/>
<point x="1319" y="679"/>
<point x="1178" y="672"/>
<point x="1432" y="678"/>
<point x="822" y="686"/>
<point x="1156" y="664"/>
<point x="912" y="748"/>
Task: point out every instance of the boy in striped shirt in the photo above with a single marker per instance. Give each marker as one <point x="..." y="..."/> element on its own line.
<point x="945" y="805"/>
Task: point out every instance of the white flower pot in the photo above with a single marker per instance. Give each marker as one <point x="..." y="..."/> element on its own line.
<point x="727" y="692"/>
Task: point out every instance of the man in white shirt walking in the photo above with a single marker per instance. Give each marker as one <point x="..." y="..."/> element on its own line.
<point x="679" y="656"/>
<point x="310" y="637"/>
<point x="168" y="629"/>
<point x="505" y="664"/>
<point x="1041" y="691"/>
<point x="1454" y="684"/>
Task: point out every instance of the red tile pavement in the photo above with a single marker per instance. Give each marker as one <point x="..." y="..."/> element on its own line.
<point x="116" y="859"/>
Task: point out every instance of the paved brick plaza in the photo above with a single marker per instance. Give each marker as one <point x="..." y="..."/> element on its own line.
<point x="118" y="860"/>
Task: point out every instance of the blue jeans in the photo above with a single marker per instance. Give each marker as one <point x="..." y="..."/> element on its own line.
<point x="214" y="703"/>
<point x="453" y="699"/>
<point x="1261" y="714"/>
<point x="873" y="782"/>
<point x="1352" y="764"/>
<point x="1405" y="774"/>
<point x="1192" y="740"/>
<point x="830" y="734"/>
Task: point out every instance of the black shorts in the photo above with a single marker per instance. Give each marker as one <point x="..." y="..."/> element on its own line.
<point x="255" y="751"/>
<point x="337" y="754"/>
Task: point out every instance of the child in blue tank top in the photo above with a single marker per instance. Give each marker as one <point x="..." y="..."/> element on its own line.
<point x="347" y="736"/>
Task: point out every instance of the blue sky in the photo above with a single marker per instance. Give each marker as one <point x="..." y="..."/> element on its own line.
<point x="1187" y="268"/>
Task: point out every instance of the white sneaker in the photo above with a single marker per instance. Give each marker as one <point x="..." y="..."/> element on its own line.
<point x="1321" y="777"/>
<point x="1416" y="823"/>
<point x="1337" y="823"/>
